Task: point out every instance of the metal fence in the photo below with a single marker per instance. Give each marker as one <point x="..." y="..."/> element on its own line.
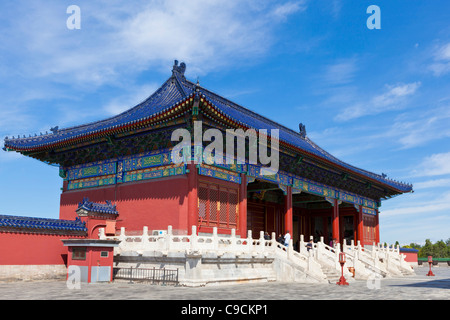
<point x="152" y="275"/>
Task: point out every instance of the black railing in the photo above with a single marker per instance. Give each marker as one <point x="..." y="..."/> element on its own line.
<point x="152" y="275"/>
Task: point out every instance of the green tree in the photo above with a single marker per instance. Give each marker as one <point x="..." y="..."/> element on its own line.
<point x="426" y="250"/>
<point x="415" y="246"/>
<point x="440" y="249"/>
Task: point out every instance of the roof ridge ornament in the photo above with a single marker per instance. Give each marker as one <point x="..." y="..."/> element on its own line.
<point x="302" y="130"/>
<point x="180" y="69"/>
<point x="54" y="129"/>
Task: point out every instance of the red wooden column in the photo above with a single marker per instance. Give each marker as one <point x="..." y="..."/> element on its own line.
<point x="360" y="225"/>
<point x="242" y="223"/>
<point x="377" y="227"/>
<point x="192" y="197"/>
<point x="288" y="217"/>
<point x="335" y="221"/>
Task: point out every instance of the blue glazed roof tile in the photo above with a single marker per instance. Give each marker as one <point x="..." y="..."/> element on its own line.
<point x="253" y="120"/>
<point x="98" y="207"/>
<point x="163" y="99"/>
<point x="41" y="224"/>
<point x="177" y="89"/>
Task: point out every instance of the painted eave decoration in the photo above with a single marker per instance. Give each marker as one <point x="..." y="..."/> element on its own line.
<point x="171" y="100"/>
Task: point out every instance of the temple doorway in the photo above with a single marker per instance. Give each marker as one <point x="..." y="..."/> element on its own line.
<point x="312" y="214"/>
<point x="265" y="208"/>
<point x="347" y="228"/>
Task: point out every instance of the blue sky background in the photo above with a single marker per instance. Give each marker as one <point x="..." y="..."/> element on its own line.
<point x="377" y="99"/>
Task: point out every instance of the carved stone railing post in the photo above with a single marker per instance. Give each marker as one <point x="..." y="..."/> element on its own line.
<point x="144" y="239"/>
<point x="262" y="242"/>
<point x="169" y="238"/>
<point x="301" y="247"/>
<point x="215" y="239"/>
<point x="194" y="240"/>
<point x="249" y="241"/>
<point x="273" y="242"/>
<point x="290" y="249"/>
<point x="359" y="245"/>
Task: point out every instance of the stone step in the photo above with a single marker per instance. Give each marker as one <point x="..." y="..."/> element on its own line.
<point x="332" y="274"/>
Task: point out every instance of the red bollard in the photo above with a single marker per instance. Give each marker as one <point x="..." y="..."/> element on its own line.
<point x="430" y="261"/>
<point x="342" y="281"/>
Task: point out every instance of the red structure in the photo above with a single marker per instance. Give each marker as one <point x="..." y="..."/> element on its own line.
<point x="126" y="162"/>
<point x="93" y="259"/>
<point x="342" y="281"/>
<point x="430" y="262"/>
<point x="36" y="241"/>
<point x="410" y="255"/>
<point x="41" y="242"/>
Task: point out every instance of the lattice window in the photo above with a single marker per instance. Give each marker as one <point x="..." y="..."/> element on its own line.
<point x="203" y="204"/>
<point x="233" y="204"/>
<point x="213" y="204"/>
<point x="217" y="205"/>
<point x="223" y="216"/>
<point x="369" y="225"/>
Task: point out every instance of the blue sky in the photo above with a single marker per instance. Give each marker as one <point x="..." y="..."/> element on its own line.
<point x="377" y="99"/>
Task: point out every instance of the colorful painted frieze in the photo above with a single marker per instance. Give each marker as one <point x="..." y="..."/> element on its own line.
<point x="278" y="178"/>
<point x="369" y="211"/>
<point x="154" y="173"/>
<point x="308" y="186"/>
<point x="147" y="161"/>
<point x="91" y="182"/>
<point x="357" y="200"/>
<point x="219" y="174"/>
<point x="81" y="172"/>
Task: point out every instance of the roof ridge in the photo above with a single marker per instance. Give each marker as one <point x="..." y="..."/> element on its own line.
<point x="104" y="120"/>
<point x="239" y="107"/>
<point x="251" y="112"/>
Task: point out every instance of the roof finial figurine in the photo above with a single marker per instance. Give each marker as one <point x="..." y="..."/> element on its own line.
<point x="302" y="130"/>
<point x="180" y="69"/>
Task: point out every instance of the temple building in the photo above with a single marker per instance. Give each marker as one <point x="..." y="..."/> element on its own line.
<point x="126" y="162"/>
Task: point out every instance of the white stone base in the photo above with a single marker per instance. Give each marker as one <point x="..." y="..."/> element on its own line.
<point x="32" y="272"/>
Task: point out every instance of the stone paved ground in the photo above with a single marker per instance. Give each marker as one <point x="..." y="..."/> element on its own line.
<point x="418" y="287"/>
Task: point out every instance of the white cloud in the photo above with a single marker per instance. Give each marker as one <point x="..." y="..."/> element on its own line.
<point x="393" y="99"/>
<point x="336" y="7"/>
<point x="283" y="11"/>
<point x="419" y="128"/>
<point x="445" y="182"/>
<point x="434" y="165"/>
<point x="428" y="207"/>
<point x="444" y="52"/>
<point x="41" y="59"/>
<point x="341" y="72"/>
<point x="441" y="57"/>
<point x="118" y="38"/>
<point x="131" y="98"/>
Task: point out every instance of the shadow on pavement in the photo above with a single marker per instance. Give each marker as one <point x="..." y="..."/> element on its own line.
<point x="438" y="284"/>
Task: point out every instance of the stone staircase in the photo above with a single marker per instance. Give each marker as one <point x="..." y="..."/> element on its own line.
<point x="215" y="258"/>
<point x="331" y="274"/>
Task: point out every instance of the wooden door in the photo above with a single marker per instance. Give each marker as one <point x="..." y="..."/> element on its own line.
<point x="256" y="219"/>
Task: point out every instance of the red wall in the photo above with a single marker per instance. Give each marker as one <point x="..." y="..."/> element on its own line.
<point x="410" y="256"/>
<point x="93" y="257"/>
<point x="155" y="203"/>
<point x="33" y="249"/>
